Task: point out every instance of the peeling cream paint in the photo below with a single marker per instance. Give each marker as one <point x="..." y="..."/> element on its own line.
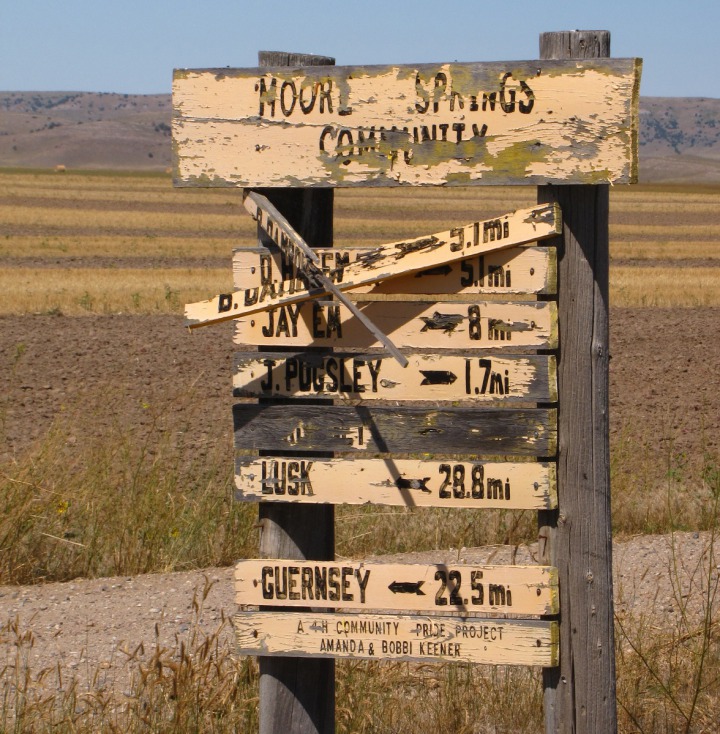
<point x="578" y="124"/>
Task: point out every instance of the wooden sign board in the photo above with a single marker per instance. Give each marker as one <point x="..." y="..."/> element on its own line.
<point x="527" y="270"/>
<point x="419" y="638"/>
<point x="516" y="122"/>
<point x="381" y="263"/>
<point x="416" y="324"/>
<point x="385" y="430"/>
<point x="450" y="482"/>
<point x="456" y="376"/>
<point x="348" y="585"/>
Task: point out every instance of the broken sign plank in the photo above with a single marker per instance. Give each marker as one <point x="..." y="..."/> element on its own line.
<point x="293" y="245"/>
<point x="414" y="324"/>
<point x="513" y="122"/>
<point x="362" y="377"/>
<point x="422" y="638"/>
<point x="384" y="430"/>
<point x="475" y="484"/>
<point x="408" y="587"/>
<point x="387" y="261"/>
<point x="518" y="270"/>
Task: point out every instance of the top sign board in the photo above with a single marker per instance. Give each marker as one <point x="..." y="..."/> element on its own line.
<point x="527" y="122"/>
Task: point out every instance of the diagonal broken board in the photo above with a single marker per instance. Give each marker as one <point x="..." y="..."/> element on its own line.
<point x="381" y="263"/>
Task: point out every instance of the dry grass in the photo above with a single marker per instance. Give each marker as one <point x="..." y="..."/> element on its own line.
<point x="665" y="249"/>
<point x="682" y="232"/>
<point x="664" y="287"/>
<point x="66" y="246"/>
<point x="57" y="219"/>
<point x="80" y="291"/>
<point x="196" y="685"/>
<point x="135" y="498"/>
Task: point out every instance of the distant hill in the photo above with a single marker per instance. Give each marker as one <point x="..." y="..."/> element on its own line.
<point x="679" y="136"/>
<point x="85" y="130"/>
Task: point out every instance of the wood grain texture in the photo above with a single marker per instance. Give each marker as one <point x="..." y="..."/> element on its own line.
<point x="398" y="637"/>
<point x="475" y="484"/>
<point x="517" y="270"/>
<point x="446" y="325"/>
<point x="383" y="430"/>
<point x="464" y="376"/>
<point x="515" y="122"/>
<point x="580" y="694"/>
<point x="409" y="587"/>
<point x="381" y="263"/>
<point x="297" y="696"/>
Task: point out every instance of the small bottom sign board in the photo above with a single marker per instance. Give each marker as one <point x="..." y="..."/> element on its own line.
<point x="419" y="638"/>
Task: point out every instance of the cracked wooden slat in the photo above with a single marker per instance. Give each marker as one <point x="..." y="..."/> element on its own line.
<point x="270" y="219"/>
<point x="387" y="261"/>
<point x="368" y="431"/>
<point x="517" y="270"/>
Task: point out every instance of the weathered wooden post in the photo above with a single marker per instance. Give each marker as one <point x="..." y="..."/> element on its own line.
<point x="465" y="412"/>
<point x="580" y="693"/>
<point x="297" y="695"/>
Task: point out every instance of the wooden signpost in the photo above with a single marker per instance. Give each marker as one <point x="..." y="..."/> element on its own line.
<point x="417" y="373"/>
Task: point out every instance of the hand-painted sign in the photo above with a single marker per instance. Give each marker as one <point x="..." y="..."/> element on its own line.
<point x="394" y="586"/>
<point x="381" y="263"/>
<point x="363" y="377"/>
<point x="384" y="430"/>
<point x="519" y="122"/>
<point x="413" y="324"/>
<point x="515" y="270"/>
<point x="420" y="638"/>
<point x="391" y="481"/>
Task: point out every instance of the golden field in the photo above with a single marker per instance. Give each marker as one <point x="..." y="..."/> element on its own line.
<point x="131" y="472"/>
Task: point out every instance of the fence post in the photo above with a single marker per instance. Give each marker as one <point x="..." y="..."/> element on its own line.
<point x="580" y="693"/>
<point x="297" y="695"/>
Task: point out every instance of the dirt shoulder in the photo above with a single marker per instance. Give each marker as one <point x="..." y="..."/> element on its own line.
<point x="663" y="384"/>
<point x="663" y="369"/>
<point x="101" y="631"/>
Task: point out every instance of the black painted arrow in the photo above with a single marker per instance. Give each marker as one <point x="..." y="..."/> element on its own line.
<point x="446" y="322"/>
<point x="315" y="627"/>
<point x="438" y="377"/>
<point x="407" y="587"/>
<point x="420" y="484"/>
<point x="440" y="270"/>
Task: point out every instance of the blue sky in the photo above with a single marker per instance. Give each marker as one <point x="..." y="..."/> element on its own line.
<point x="132" y="46"/>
